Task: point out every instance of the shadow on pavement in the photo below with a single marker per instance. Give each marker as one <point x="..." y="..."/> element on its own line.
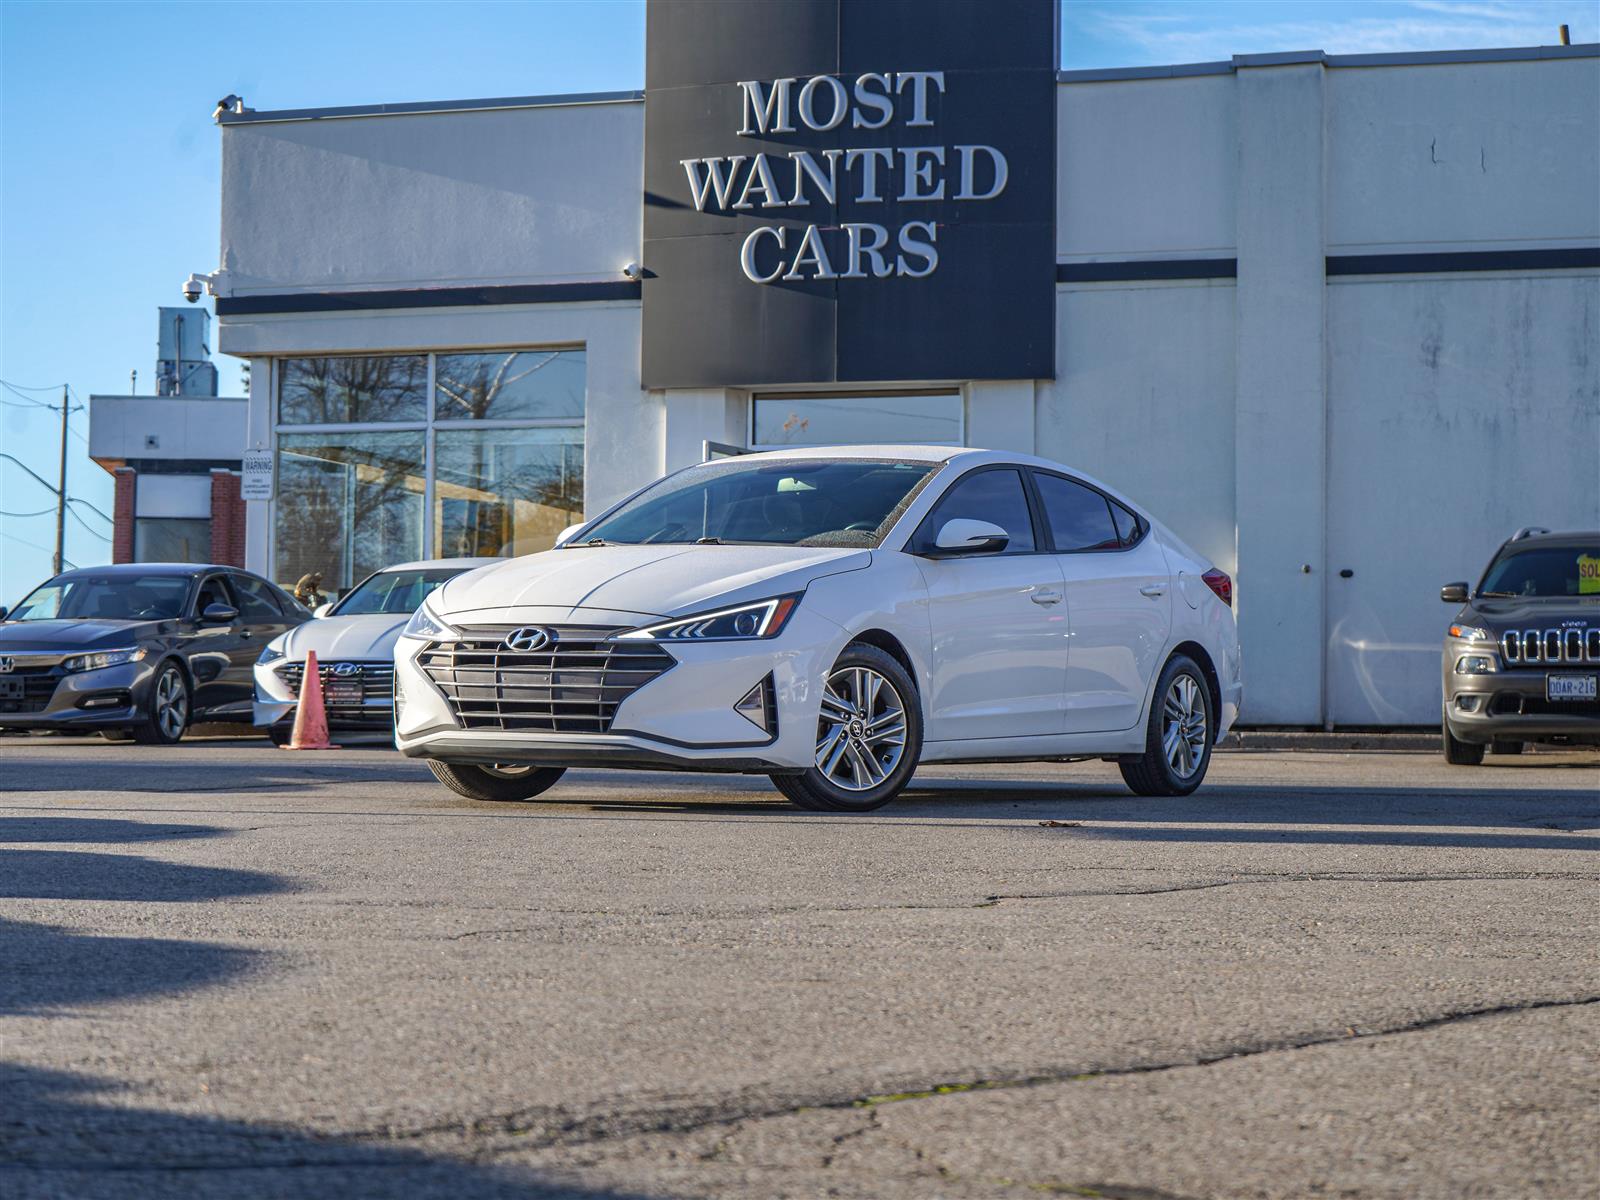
<point x="102" y="831"/>
<point x="64" y="1134"/>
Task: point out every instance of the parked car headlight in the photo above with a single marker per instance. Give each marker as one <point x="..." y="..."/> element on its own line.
<point x="103" y="658"/>
<point x="271" y="652"/>
<point x="763" y="619"/>
<point x="1476" y="664"/>
<point x="424" y="624"/>
<point x="1471" y="633"/>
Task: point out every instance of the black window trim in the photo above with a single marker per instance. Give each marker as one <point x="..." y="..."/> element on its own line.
<point x="200" y="581"/>
<point x="1144" y="525"/>
<point x="920" y="543"/>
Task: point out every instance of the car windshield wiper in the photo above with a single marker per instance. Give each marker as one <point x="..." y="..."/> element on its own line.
<point x="1501" y="595"/>
<point x="709" y="541"/>
<point x="590" y="542"/>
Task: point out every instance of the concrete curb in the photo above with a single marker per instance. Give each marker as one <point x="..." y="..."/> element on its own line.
<point x="1295" y="739"/>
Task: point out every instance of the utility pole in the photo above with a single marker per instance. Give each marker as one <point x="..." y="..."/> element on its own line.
<point x="61" y="494"/>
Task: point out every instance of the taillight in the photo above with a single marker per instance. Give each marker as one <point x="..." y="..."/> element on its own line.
<point x="1221" y="584"/>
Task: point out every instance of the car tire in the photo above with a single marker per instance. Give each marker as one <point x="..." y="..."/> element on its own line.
<point x="869" y="736"/>
<point x="507" y="783"/>
<point x="1459" y="753"/>
<point x="167" y="708"/>
<point x="116" y="735"/>
<point x="1178" y="736"/>
<point x="1507" y="747"/>
<point x="281" y="735"/>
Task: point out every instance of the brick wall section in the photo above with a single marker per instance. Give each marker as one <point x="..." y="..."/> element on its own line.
<point x="227" y="519"/>
<point x="125" y="480"/>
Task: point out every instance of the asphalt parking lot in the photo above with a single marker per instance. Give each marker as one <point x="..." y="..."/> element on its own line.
<point x="230" y="970"/>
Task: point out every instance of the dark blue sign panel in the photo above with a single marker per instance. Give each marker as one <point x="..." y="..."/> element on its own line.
<point x="849" y="191"/>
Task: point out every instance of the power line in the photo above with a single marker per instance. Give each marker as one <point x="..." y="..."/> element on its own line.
<point x="40" y="513"/>
<point x="73" y="513"/>
<point x="86" y="504"/>
<point x="22" y="387"/>
<point x="36" y="546"/>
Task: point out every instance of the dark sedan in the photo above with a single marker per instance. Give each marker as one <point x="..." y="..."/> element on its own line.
<point x="141" y="650"/>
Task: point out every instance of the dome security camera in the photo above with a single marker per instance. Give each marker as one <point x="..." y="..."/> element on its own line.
<point x="195" y="286"/>
<point x="633" y="272"/>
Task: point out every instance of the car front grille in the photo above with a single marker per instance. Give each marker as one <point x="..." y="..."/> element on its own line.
<point x="1509" y="704"/>
<point x="574" y="684"/>
<point x="38" y="685"/>
<point x="376" y="678"/>
<point x="1549" y="647"/>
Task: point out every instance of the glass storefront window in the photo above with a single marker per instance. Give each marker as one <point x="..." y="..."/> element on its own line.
<point x="346" y="505"/>
<point x="505" y="491"/>
<point x="352" y="391"/>
<point x="833" y="419"/>
<point x="510" y="385"/>
<point x="172" y="539"/>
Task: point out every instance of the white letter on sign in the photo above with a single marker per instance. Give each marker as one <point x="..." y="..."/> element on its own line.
<point x="872" y="249"/>
<point x="1001" y="172"/>
<point x="919" y="93"/>
<point x="926" y="249"/>
<point x="808" y="95"/>
<point x="874" y="100"/>
<point x="747" y="254"/>
<point x="764" y="107"/>
<point x="712" y="181"/>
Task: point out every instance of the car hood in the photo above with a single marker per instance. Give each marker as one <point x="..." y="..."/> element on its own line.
<point x="647" y="581"/>
<point x="338" y="638"/>
<point x="1519" y="613"/>
<point x="67" y="636"/>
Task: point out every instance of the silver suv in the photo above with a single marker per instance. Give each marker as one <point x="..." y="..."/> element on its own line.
<point x="1522" y="656"/>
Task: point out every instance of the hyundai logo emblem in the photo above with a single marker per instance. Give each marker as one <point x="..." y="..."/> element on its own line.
<point x="7" y="663"/>
<point x="528" y="640"/>
<point x="345" y="669"/>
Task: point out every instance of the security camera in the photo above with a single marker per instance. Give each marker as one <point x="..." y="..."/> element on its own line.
<point x="633" y="271"/>
<point x="194" y="287"/>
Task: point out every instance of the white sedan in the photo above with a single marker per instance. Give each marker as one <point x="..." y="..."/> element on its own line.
<point x="354" y="641"/>
<point x="831" y="618"/>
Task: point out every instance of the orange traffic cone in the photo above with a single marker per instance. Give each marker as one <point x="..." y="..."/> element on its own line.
<point x="310" y="717"/>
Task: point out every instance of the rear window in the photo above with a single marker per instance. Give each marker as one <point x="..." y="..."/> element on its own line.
<point x="1544" y="573"/>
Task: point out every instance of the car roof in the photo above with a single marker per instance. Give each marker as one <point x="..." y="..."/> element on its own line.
<point x="433" y="563"/>
<point x="903" y="453"/>
<point x="155" y="568"/>
<point x="1572" y="539"/>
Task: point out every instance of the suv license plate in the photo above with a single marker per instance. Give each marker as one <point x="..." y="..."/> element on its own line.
<point x="11" y="689"/>
<point x="1571" y="687"/>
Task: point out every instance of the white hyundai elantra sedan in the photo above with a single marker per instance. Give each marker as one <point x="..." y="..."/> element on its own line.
<point x="831" y="618"/>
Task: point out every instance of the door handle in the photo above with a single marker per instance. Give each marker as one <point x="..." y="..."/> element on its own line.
<point x="244" y="633"/>
<point x="1046" y="597"/>
<point x="1152" y="590"/>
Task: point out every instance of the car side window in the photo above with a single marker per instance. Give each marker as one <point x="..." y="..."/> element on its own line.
<point x="994" y="496"/>
<point x="256" y="602"/>
<point x="1130" y="525"/>
<point x="213" y="590"/>
<point x="1079" y="517"/>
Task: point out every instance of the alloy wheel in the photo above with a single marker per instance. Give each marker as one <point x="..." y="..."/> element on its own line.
<point x="171" y="704"/>
<point x="1183" y="727"/>
<point x="861" y="732"/>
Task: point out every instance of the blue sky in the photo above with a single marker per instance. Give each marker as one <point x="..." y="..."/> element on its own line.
<point x="108" y="156"/>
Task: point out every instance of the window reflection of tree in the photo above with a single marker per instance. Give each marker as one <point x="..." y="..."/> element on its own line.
<point x="348" y="509"/>
<point x="333" y="391"/>
<point x="499" y="496"/>
<point x="469" y="386"/>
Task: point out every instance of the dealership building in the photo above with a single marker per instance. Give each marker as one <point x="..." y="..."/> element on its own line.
<point x="1334" y="319"/>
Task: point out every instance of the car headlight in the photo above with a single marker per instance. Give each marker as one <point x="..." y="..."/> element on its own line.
<point x="271" y="652"/>
<point x="763" y="619"/>
<point x="1471" y="633"/>
<point x="103" y="658"/>
<point x="425" y="625"/>
<point x="1476" y="664"/>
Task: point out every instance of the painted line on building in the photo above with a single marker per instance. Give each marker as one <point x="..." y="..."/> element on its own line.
<point x="455" y="297"/>
<point x="1164" y="268"/>
<point x="1566" y="258"/>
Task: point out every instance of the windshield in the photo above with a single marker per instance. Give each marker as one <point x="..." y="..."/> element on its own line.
<point x="793" y="502"/>
<point x="105" y="598"/>
<point x="392" y="593"/>
<point x="1545" y="573"/>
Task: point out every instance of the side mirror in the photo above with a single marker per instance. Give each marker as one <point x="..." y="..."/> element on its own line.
<point x="322" y="610"/>
<point x="565" y="535"/>
<point x="219" y="614"/>
<point x="1453" y="593"/>
<point x="964" y="536"/>
<point x="3" y="611"/>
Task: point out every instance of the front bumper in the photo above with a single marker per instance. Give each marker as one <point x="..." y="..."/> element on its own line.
<point x="1511" y="706"/>
<point x="275" y="703"/>
<point x="110" y="698"/>
<point x="682" y="719"/>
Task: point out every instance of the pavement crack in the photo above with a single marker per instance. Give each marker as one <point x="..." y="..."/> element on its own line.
<point x="542" y="1127"/>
